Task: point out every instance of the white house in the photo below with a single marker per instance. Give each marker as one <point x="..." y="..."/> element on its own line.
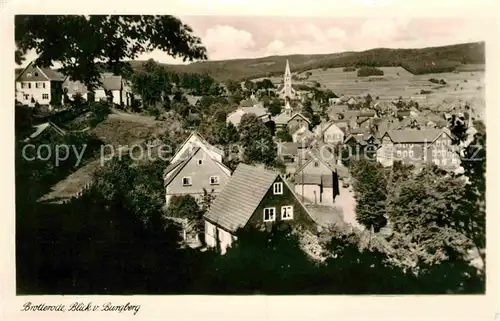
<point x="112" y="85"/>
<point x="329" y="133"/>
<point x="39" y="85"/>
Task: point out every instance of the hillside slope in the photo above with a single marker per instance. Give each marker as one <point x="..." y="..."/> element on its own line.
<point x="416" y="61"/>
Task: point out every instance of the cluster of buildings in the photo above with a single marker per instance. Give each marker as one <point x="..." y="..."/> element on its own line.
<point x="249" y="196"/>
<point x="48" y="87"/>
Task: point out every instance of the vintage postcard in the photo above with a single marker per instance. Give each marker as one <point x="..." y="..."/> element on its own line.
<point x="192" y="164"/>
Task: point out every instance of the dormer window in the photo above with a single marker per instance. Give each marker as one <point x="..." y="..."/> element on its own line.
<point x="278" y="188"/>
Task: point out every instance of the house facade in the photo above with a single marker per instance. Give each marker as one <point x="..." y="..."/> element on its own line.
<point x="289" y="120"/>
<point x="418" y="147"/>
<point x="194" y="176"/>
<point x="254" y="197"/>
<point x="39" y="85"/>
<point x="330" y="133"/>
<point x="196" y="167"/>
<point x="113" y="88"/>
<point x="316" y="180"/>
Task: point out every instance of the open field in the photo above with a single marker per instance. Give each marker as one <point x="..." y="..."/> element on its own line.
<point x="461" y="87"/>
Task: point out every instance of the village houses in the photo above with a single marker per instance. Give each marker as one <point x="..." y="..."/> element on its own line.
<point x="329" y="133"/>
<point x="36" y="85"/>
<point x="254" y="197"/>
<point x="249" y="106"/>
<point x="112" y="87"/>
<point x="288" y="120"/>
<point x="418" y="147"/>
<point x="195" y="169"/>
<point x="316" y="180"/>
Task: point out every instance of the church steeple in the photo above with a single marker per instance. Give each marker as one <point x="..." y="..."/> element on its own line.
<point x="287" y="81"/>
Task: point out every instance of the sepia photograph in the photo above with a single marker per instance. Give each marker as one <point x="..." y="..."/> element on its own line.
<point x="249" y="155"/>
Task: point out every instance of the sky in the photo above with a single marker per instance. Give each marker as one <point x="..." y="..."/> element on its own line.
<point x="231" y="37"/>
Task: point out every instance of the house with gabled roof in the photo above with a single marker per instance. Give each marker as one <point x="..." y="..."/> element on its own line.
<point x="290" y="120"/>
<point x="195" y="140"/>
<point x="112" y="87"/>
<point x="259" y="111"/>
<point x="329" y="133"/>
<point x="39" y="85"/>
<point x="254" y="197"/>
<point x="418" y="147"/>
<point x="316" y="180"/>
<point x="194" y="175"/>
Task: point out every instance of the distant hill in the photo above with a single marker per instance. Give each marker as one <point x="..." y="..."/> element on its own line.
<point x="416" y="61"/>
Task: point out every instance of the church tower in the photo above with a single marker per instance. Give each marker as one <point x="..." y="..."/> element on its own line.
<point x="288" y="80"/>
<point x="287" y="91"/>
<point x="287" y="84"/>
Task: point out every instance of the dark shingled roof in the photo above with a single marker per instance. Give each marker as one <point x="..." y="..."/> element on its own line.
<point x="241" y="196"/>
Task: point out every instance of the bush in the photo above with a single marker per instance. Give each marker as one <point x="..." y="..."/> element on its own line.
<point x="425" y="92"/>
<point x="369" y="71"/>
<point x="349" y="69"/>
<point x="284" y="136"/>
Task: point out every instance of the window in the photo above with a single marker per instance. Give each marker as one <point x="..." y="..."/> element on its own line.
<point x="214" y="180"/>
<point x="200" y="161"/>
<point x="287" y="212"/>
<point x="269" y="214"/>
<point x="278" y="188"/>
<point x="45" y="96"/>
<point x="438" y="143"/>
<point x="398" y="154"/>
<point x="186" y="181"/>
<point x="29" y="74"/>
<point x="410" y="154"/>
<point x="316" y="164"/>
<point x="40" y="85"/>
<point x="26" y="96"/>
<point x="405" y="153"/>
<point x="436" y="161"/>
<point x="36" y="74"/>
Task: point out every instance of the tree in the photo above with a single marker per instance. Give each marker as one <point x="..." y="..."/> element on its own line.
<point x="370" y="188"/>
<point x="284" y="135"/>
<point x="115" y="38"/>
<point x="226" y="134"/>
<point x="473" y="156"/>
<point x="274" y="107"/>
<point x="256" y="141"/>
